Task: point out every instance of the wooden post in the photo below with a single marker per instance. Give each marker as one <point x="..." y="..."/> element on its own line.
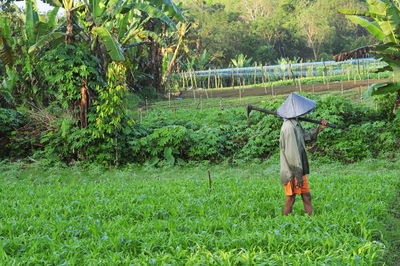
<point x="263" y="79"/>
<point x="195" y="78"/>
<point x="191" y="79"/>
<point x="301" y="73"/>
<point x="255" y="74"/>
<point x="272" y="85"/>
<point x="215" y="79"/>
<point x="341" y="85"/>
<point x="183" y="79"/>
<point x="300" y="85"/>
<point x="169" y="99"/>
<point x="209" y="78"/>
<point x="348" y="73"/>
<point x="145" y="102"/>
<point x="233" y="80"/>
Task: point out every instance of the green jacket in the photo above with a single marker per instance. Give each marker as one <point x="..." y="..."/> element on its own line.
<point x="293" y="157"/>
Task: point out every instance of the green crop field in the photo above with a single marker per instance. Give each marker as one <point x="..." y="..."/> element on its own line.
<point x="88" y="216"/>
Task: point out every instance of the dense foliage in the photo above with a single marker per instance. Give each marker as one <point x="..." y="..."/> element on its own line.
<point x="266" y="31"/>
<point x="66" y="82"/>
<point x="383" y="21"/>
<point x="168" y="138"/>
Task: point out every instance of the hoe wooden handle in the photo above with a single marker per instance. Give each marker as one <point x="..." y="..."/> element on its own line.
<point x="251" y="107"/>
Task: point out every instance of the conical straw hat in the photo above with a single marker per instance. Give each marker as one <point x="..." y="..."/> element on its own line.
<point x="296" y="105"/>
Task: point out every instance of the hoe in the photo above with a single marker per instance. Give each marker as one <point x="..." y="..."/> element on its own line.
<point x="251" y="107"/>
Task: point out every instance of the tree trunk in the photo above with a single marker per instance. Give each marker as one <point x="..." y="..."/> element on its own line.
<point x="156" y="66"/>
<point x="69" y="36"/>
<point x="181" y="32"/>
<point x="84" y="104"/>
<point x="396" y="102"/>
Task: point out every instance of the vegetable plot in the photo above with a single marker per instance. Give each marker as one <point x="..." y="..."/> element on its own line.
<point x="170" y="216"/>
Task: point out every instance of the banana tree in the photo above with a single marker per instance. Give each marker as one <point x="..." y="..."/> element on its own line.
<point x="383" y="21"/>
<point x="18" y="31"/>
<point x="111" y="27"/>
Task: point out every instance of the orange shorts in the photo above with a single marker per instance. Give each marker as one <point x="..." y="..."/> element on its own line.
<point x="291" y="188"/>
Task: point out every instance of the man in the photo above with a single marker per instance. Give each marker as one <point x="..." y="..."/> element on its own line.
<point x="293" y="157"/>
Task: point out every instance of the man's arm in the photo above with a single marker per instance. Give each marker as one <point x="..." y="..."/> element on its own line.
<point x="310" y="136"/>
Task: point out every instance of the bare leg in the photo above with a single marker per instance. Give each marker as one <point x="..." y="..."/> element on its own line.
<point x="289" y="204"/>
<point x="307" y="203"/>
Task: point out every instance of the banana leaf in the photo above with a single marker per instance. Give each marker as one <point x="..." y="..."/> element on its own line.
<point x="390" y="26"/>
<point x="31" y="18"/>
<point x="52" y="17"/>
<point x="53" y="38"/>
<point x="151" y="12"/>
<point x="383" y="69"/>
<point x="372" y="27"/>
<point x="96" y="7"/>
<point x="377" y="6"/>
<point x="110" y="43"/>
<point x="382" y="88"/>
<point x="173" y="10"/>
<point x="366" y="14"/>
<point x="54" y="3"/>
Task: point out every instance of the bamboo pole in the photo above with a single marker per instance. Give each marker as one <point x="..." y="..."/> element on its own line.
<point x="263" y="79"/>
<point x="301" y="73"/>
<point x="215" y="79"/>
<point x="272" y="85"/>
<point x="341" y="78"/>
<point x="233" y="80"/>
<point x="183" y="79"/>
<point x="255" y="74"/>
<point x="169" y="98"/>
<point x="191" y="79"/>
<point x="195" y="78"/>
<point x="209" y="78"/>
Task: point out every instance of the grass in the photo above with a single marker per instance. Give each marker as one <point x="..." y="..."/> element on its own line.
<point x="87" y="216"/>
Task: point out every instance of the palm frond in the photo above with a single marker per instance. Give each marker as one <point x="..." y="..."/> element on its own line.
<point x="362" y="52"/>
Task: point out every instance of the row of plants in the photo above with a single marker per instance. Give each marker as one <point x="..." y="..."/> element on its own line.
<point x="283" y="74"/>
<point x="149" y="216"/>
<point x="214" y="135"/>
<point x="248" y="82"/>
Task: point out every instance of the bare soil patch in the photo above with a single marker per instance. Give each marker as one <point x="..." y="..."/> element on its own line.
<point x="262" y="91"/>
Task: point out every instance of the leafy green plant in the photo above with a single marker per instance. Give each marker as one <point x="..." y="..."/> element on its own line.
<point x="241" y="61"/>
<point x="62" y="74"/>
<point x="110" y="107"/>
<point x="147" y="215"/>
<point x="383" y="21"/>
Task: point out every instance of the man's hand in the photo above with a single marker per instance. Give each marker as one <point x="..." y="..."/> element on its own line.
<point x="323" y="125"/>
<point x="300" y="182"/>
